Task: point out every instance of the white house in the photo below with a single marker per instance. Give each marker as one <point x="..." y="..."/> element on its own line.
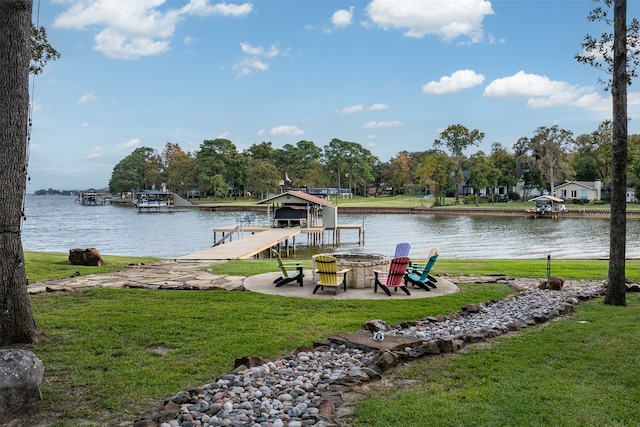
<point x="585" y="190"/>
<point x="631" y="195"/>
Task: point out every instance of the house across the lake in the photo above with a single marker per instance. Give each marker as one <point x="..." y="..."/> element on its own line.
<point x="580" y="190"/>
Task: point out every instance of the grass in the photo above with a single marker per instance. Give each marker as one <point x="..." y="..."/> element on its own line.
<point x="576" y="269"/>
<point x="113" y="355"/>
<point x="48" y="265"/>
<point x="567" y="373"/>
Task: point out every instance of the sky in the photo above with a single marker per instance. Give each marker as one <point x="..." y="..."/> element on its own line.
<point x="390" y="75"/>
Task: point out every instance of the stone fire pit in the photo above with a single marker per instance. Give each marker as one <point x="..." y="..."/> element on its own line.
<point x="360" y="267"/>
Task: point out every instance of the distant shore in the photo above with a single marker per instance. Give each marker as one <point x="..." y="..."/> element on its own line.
<point x="443" y="210"/>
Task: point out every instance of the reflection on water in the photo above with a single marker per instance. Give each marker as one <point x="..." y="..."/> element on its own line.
<point x="57" y="224"/>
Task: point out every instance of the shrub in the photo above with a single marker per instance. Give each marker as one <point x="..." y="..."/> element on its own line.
<point x="513" y="196"/>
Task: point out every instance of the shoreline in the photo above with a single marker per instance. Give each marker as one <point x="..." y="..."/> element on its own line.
<point x="444" y="210"/>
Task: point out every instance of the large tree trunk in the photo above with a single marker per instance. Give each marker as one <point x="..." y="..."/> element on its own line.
<point x="16" y="320"/>
<point x="618" y="232"/>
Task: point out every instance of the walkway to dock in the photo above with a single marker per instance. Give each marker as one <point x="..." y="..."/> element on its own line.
<point x="245" y="247"/>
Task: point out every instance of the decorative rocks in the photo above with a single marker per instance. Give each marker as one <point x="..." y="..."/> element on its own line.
<point x="305" y="388"/>
<point x="90" y="256"/>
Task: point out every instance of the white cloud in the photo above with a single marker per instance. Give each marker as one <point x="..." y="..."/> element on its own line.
<point x="88" y="98"/>
<point x="224" y="135"/>
<point x="132" y="29"/>
<point x="85" y="125"/>
<point x="359" y="107"/>
<point x="378" y="125"/>
<point x="376" y="107"/>
<point x="96" y="153"/>
<point x="446" y="18"/>
<point x="134" y="142"/>
<point x="37" y="106"/>
<point x="343" y="17"/>
<point x="352" y="109"/>
<point x="543" y="92"/>
<point x="254" y="58"/>
<point x="272" y="52"/>
<point x="287" y="130"/>
<point x="202" y="7"/>
<point x="261" y="132"/>
<point x="456" y="82"/>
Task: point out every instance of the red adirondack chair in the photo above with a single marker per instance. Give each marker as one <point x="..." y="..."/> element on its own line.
<point x="393" y="277"/>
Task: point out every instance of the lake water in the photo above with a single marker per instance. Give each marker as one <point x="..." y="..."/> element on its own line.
<point x="58" y="223"/>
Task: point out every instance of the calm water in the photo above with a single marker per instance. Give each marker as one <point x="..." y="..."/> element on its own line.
<point x="57" y="224"/>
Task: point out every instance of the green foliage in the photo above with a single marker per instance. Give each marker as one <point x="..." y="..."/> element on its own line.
<point x="137" y="171"/>
<point x="436" y="169"/>
<point x="457" y="138"/>
<point x="41" y="51"/>
<point x="263" y="177"/>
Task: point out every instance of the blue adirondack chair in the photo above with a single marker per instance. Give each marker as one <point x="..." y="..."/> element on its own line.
<point x="402" y="249"/>
<point x="393" y="277"/>
<point x="418" y="275"/>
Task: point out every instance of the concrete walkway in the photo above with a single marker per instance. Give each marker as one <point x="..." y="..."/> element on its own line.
<point x="189" y="275"/>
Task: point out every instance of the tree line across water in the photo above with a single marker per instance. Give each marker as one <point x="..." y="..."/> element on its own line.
<point x="551" y="156"/>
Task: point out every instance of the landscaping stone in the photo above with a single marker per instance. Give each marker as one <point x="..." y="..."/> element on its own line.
<point x="21" y="374"/>
<point x="90" y="256"/>
<point x="305" y="388"/>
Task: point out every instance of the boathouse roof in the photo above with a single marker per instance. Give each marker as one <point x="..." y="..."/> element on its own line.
<point x="295" y="198"/>
<point x="546" y="198"/>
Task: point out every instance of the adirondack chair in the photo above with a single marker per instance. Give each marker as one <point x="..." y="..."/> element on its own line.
<point x="291" y="272"/>
<point x="418" y="275"/>
<point x="393" y="277"/>
<point x="328" y="274"/>
<point x="402" y="249"/>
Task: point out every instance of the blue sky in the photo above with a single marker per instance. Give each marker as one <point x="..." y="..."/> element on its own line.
<point x="387" y="74"/>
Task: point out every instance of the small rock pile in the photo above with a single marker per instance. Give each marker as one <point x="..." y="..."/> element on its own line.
<point x="304" y="389"/>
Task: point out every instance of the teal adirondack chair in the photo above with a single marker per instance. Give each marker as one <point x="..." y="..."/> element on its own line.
<point x="419" y="275"/>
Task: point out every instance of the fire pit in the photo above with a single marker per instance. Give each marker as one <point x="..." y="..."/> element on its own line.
<point x="360" y="267"/>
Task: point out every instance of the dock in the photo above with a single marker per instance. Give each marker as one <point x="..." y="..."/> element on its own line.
<point x="245" y="247"/>
<point x="262" y="238"/>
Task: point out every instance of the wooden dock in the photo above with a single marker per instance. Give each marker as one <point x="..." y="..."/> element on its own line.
<point x="245" y="247"/>
<point x="262" y="238"/>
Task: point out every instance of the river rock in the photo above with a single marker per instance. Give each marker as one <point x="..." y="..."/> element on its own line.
<point x="21" y="374"/>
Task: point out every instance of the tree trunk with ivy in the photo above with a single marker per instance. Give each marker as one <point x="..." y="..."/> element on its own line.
<point x="618" y="230"/>
<point x="17" y="324"/>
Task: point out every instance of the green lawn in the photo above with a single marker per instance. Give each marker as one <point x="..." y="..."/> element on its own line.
<point x="575" y="372"/>
<point x="48" y="265"/>
<point x="113" y="355"/>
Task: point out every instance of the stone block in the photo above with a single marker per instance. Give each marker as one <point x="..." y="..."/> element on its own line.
<point x="21" y="374"/>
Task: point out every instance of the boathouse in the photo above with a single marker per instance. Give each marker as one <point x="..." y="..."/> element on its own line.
<point x="299" y="209"/>
<point x="546" y="207"/>
<point x="92" y="197"/>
